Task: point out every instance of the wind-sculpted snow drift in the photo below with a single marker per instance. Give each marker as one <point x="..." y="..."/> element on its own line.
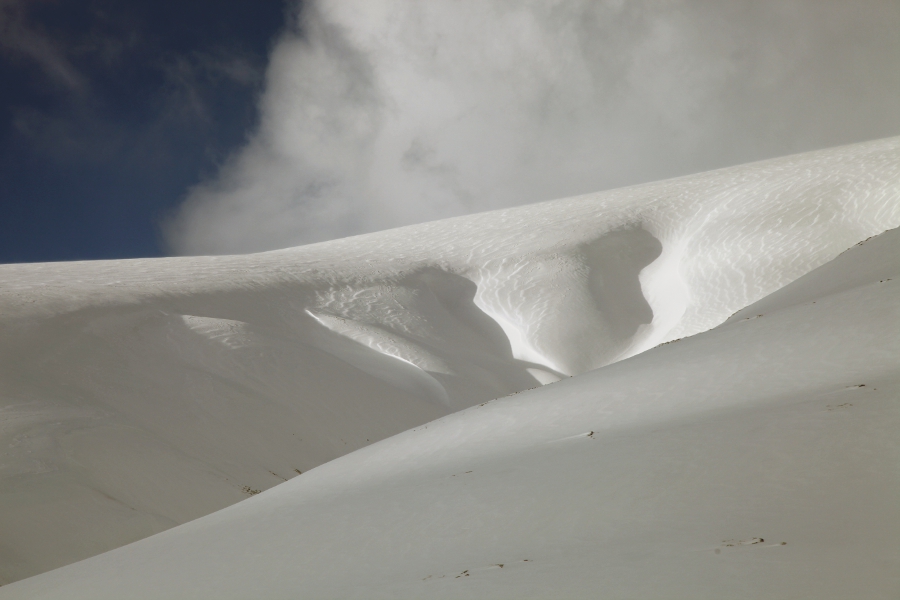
<point x="138" y="395"/>
<point x="757" y="460"/>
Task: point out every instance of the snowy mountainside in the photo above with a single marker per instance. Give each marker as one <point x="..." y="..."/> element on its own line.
<point x="755" y="460"/>
<point x="138" y="395"/>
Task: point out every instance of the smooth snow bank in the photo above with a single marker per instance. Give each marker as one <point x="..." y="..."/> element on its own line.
<point x="138" y="395"/>
<point x="757" y="460"/>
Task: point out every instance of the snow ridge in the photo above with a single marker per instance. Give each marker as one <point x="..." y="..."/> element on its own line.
<point x="216" y="377"/>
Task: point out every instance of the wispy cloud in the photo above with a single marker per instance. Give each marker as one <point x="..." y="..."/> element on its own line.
<point x="19" y="38"/>
<point x="380" y="113"/>
<point x="191" y="79"/>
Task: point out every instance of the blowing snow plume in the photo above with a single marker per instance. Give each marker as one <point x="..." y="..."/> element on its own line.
<point x="385" y="113"/>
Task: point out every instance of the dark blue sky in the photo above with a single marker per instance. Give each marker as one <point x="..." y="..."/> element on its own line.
<point x="111" y="110"/>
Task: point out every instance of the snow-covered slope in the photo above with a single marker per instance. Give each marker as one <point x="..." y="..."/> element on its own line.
<point x="757" y="460"/>
<point x="138" y="395"/>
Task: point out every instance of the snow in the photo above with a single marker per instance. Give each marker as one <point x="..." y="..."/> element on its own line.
<point x="140" y="395"/>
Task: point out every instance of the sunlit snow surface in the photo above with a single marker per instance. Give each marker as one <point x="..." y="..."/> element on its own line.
<point x="138" y="395"/>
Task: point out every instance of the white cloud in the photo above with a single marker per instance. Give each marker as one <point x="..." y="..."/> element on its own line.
<point x="379" y="113"/>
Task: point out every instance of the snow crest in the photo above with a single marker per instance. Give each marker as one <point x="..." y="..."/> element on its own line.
<point x="235" y="373"/>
